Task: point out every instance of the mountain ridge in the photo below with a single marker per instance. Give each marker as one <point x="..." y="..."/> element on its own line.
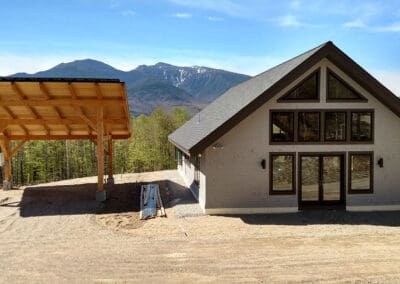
<point x="149" y="86"/>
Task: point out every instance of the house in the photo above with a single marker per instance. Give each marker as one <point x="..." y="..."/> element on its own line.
<point x="315" y="131"/>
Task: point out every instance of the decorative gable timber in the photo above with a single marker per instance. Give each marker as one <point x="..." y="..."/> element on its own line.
<point x="240" y="101"/>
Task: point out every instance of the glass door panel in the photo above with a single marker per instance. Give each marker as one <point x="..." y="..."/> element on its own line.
<point x="331" y="178"/>
<point x="309" y="178"/>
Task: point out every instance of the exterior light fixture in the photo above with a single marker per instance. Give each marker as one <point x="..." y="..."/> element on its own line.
<point x="263" y="164"/>
<point x="218" y="146"/>
<point x="380" y="162"/>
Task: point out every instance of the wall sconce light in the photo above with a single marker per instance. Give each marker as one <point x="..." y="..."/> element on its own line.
<point x="380" y="162"/>
<point x="263" y="164"/>
<point x="218" y="146"/>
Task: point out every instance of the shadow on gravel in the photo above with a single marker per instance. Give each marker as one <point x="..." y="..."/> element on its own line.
<point x="80" y="199"/>
<point x="317" y="217"/>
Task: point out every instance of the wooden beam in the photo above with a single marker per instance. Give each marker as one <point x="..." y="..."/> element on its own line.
<point x="44" y="91"/>
<point x="126" y="107"/>
<point x="5" y="148"/>
<point x="100" y="150"/>
<point x="17" y="148"/>
<point x="99" y="93"/>
<point x="63" y="102"/>
<point x="3" y="127"/>
<point x="12" y="115"/>
<point x="55" y="121"/>
<point x="47" y="96"/>
<point x="94" y="141"/>
<point x="22" y="97"/>
<point x="60" y="137"/>
<point x="110" y="158"/>
<point x="90" y="123"/>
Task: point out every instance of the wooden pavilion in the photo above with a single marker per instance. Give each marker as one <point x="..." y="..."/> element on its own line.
<point x="63" y="109"/>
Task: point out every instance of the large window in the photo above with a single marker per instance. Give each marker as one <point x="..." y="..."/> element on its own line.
<point x="282" y="127"/>
<point x="307" y="90"/>
<point x="361" y="172"/>
<point x="361" y="126"/>
<point x="309" y="126"/>
<point x="335" y="126"/>
<point x="282" y="173"/>
<point x="338" y="90"/>
<point x="322" y="126"/>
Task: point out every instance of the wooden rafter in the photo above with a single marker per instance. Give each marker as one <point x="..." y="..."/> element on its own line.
<point x="22" y="97"/>
<point x="67" y="103"/>
<point x="13" y="116"/>
<point x="99" y="93"/>
<point x="78" y="109"/>
<point x="47" y="96"/>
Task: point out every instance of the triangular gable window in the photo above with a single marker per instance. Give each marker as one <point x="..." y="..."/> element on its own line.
<point x="340" y="90"/>
<point x="307" y="90"/>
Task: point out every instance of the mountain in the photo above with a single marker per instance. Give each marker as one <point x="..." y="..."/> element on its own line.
<point x="203" y="83"/>
<point x="150" y="86"/>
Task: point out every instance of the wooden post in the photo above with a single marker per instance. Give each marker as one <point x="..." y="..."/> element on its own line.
<point x="101" y="193"/>
<point x="110" y="179"/>
<point x="5" y="148"/>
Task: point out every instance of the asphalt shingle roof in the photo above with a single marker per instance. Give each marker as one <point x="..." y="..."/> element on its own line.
<point x="227" y="110"/>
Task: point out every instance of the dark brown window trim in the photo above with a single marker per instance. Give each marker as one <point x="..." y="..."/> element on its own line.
<point x="282" y="98"/>
<point x="294" y="125"/>
<point x="321" y="154"/>
<point x="282" y="192"/>
<point x="362" y="98"/>
<point x="322" y="141"/>
<point x="372" y="125"/>
<point x="371" y="181"/>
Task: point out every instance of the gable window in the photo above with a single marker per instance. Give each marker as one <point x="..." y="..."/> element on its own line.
<point x="282" y="172"/>
<point x="361" y="172"/>
<point x="338" y="90"/>
<point x="335" y="126"/>
<point x="361" y="126"/>
<point x="309" y="126"/>
<point x="282" y="126"/>
<point x="307" y="90"/>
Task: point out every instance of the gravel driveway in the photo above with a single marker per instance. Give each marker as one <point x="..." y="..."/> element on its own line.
<point x="57" y="233"/>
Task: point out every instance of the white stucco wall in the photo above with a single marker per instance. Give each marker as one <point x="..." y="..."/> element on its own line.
<point x="186" y="170"/>
<point x="236" y="183"/>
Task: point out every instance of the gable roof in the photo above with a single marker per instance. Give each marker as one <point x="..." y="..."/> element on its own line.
<point x="238" y="102"/>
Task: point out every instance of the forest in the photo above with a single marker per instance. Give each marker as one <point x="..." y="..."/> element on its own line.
<point x="147" y="150"/>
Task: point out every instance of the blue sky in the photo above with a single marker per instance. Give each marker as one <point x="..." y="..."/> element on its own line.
<point x="247" y="36"/>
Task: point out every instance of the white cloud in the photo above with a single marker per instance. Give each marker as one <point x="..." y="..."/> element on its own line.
<point x="394" y="27"/>
<point x="215" y="19"/>
<point x="358" y="23"/>
<point x="228" y="7"/>
<point x="287" y="21"/>
<point x="182" y="15"/>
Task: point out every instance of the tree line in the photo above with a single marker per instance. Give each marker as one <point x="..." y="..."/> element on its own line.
<point x="147" y="150"/>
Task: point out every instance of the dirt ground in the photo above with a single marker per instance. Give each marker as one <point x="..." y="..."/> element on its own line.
<point x="58" y="233"/>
